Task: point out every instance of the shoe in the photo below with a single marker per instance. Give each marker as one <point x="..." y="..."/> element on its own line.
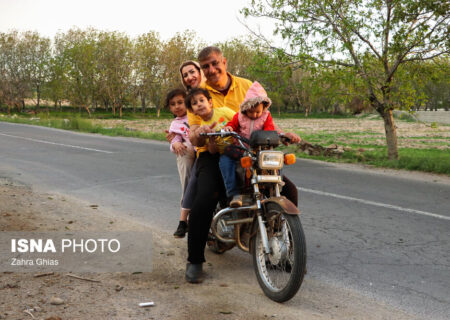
<point x="181" y="230"/>
<point x="194" y="272"/>
<point x="236" y="201"/>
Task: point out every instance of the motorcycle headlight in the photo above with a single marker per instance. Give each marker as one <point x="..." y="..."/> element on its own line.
<point x="271" y="160"/>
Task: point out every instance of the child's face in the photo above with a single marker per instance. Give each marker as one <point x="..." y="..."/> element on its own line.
<point x="202" y="106"/>
<point x="177" y="106"/>
<point x="255" y="112"/>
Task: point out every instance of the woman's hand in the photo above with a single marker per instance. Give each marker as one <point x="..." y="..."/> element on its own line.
<point x="179" y="148"/>
<point x="228" y="129"/>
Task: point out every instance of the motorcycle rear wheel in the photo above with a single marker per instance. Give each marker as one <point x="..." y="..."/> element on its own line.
<point x="280" y="273"/>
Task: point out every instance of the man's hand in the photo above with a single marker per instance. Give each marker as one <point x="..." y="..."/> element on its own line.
<point x="294" y="137"/>
<point x="211" y="145"/>
<point x="169" y="135"/>
<point x="179" y="148"/>
<point x="228" y="129"/>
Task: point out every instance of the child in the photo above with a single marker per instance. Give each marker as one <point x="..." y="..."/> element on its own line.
<point x="253" y="115"/>
<point x="199" y="102"/>
<point x="182" y="147"/>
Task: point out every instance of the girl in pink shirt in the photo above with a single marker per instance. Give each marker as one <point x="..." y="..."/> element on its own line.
<point x="181" y="146"/>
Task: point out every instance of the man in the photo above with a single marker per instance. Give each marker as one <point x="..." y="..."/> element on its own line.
<point x="225" y="90"/>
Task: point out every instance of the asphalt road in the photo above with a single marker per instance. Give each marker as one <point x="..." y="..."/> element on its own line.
<point x="385" y="236"/>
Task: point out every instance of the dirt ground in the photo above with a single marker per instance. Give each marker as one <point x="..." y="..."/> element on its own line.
<point x="226" y="293"/>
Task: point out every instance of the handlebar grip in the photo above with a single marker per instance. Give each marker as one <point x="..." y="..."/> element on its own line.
<point x="285" y="138"/>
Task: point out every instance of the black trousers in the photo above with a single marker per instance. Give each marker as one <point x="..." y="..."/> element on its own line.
<point x="209" y="188"/>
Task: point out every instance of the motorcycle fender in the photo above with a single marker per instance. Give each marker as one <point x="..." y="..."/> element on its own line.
<point x="285" y="204"/>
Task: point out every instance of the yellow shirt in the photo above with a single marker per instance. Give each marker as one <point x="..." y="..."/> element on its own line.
<point x="235" y="96"/>
<point x="222" y="116"/>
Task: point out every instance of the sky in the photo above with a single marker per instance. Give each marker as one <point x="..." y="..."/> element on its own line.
<point x="212" y="20"/>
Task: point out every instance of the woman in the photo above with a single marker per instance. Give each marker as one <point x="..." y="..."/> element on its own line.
<point x="191" y="77"/>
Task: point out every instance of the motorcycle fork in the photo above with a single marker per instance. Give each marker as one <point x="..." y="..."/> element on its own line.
<point x="261" y="225"/>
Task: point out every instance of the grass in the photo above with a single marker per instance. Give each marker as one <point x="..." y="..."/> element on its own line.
<point x="77" y="123"/>
<point x="429" y="154"/>
<point x="426" y="160"/>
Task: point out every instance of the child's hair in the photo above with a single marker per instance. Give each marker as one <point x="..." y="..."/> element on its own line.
<point x="194" y="92"/>
<point x="266" y="104"/>
<point x="172" y="94"/>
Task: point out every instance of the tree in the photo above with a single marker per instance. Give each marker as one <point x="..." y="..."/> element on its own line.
<point x="147" y="48"/>
<point x="114" y="54"/>
<point x="373" y="38"/>
<point x="57" y="86"/>
<point x="14" y="79"/>
<point x="80" y="56"/>
<point x="36" y="53"/>
<point x="239" y="53"/>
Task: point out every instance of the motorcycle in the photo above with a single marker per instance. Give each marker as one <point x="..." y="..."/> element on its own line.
<point x="267" y="225"/>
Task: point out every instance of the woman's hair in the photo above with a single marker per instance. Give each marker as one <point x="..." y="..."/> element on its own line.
<point x="172" y="94"/>
<point x="189" y="63"/>
<point x="193" y="92"/>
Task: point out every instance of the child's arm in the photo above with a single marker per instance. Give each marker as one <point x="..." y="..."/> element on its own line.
<point x="269" y="125"/>
<point x="234" y="123"/>
<point x="177" y="146"/>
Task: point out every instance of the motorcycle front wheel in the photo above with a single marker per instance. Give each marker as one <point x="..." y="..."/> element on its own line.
<point x="280" y="273"/>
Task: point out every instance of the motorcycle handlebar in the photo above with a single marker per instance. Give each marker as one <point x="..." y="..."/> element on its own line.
<point x="225" y="134"/>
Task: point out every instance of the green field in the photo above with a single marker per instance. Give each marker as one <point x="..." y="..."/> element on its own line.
<point x="422" y="147"/>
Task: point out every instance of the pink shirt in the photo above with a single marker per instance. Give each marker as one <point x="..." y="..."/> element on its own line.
<point x="180" y="127"/>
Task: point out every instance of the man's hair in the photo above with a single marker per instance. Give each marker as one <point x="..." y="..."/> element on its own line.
<point x="206" y="52"/>
<point x="172" y="94"/>
<point x="192" y="93"/>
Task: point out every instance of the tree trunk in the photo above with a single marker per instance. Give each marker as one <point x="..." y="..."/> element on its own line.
<point x="38" y="101"/>
<point x="143" y="104"/>
<point x="391" y="134"/>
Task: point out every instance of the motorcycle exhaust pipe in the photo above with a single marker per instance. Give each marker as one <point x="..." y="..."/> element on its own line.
<point x="225" y="211"/>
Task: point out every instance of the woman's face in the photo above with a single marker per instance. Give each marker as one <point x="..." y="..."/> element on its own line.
<point x="191" y="76"/>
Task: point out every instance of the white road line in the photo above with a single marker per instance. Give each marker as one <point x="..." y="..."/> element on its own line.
<point x="373" y="203"/>
<point x="54" y="143"/>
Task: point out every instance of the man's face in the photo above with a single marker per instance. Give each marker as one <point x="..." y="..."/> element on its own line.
<point x="215" y="68"/>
